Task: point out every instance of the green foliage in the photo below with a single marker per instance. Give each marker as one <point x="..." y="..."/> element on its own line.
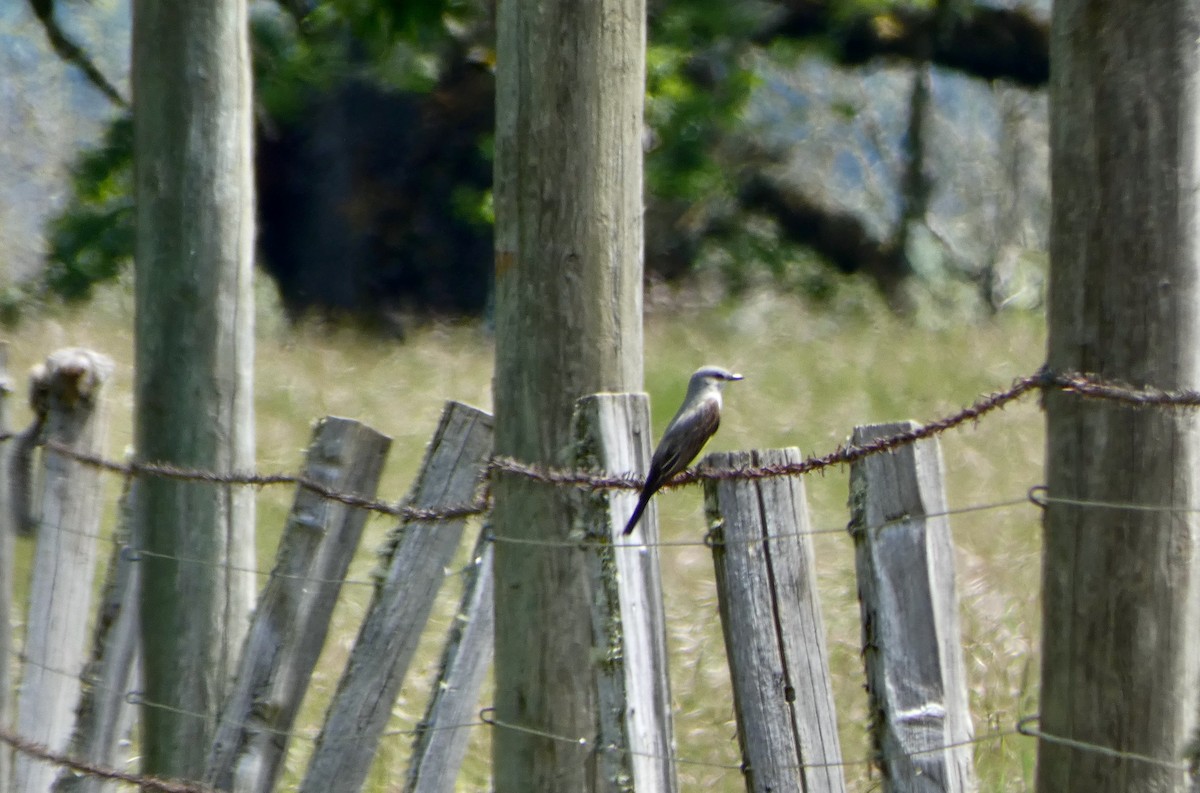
<point x="696" y="89"/>
<point x="706" y="79"/>
<point x="290" y="66"/>
<point x="474" y="206"/>
<point x="93" y="240"/>
<point x="399" y="43"/>
<point x="380" y="24"/>
<point x="395" y="43"/>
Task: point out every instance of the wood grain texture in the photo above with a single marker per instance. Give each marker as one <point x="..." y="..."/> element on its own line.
<point x="1121" y="587"/>
<point x="194" y="361"/>
<point x="912" y="644"/>
<point x="417" y="554"/>
<point x="106" y="715"/>
<point x="291" y="620"/>
<point x="570" y="84"/>
<point x="442" y="738"/>
<point x="633" y="692"/>
<point x="774" y="632"/>
<point x="70" y="386"/>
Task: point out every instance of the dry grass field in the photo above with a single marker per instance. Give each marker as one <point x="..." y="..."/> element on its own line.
<point x="811" y="376"/>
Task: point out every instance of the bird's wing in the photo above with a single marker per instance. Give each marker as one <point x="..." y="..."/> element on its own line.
<point x="682" y="441"/>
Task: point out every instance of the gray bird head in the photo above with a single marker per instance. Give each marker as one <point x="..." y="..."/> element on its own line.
<point x="707" y="377"/>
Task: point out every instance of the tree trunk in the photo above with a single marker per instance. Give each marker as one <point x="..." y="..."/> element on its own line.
<point x="568" y="194"/>
<point x="194" y="361"/>
<point x="1120" y="662"/>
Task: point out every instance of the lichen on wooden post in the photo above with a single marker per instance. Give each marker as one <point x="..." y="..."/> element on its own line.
<point x="634" y="729"/>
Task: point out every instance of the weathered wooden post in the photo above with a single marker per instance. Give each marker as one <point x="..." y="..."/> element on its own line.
<point x="419" y="550"/>
<point x="442" y="736"/>
<point x="1121" y="587"/>
<point x="291" y="620"/>
<point x="193" y="120"/>
<point x="774" y="632"/>
<point x="912" y="645"/>
<point x="635" y="737"/>
<point x="8" y="529"/>
<point x="69" y="391"/>
<point x="570" y="83"/>
<point x="106" y="716"/>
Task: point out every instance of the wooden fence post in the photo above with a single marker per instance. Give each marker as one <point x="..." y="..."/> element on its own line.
<point x="451" y="475"/>
<point x="774" y="632"/>
<point x="8" y="529"/>
<point x="69" y="388"/>
<point x="635" y="734"/>
<point x="105" y="714"/>
<point x="442" y="736"/>
<point x="291" y="620"/>
<point x="912" y="646"/>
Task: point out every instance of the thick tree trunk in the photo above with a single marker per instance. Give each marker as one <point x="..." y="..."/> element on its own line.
<point x="568" y="196"/>
<point x="1120" y="657"/>
<point x="194" y="379"/>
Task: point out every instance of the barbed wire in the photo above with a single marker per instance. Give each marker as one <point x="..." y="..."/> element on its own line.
<point x="1095" y="387"/>
<point x="507" y="465"/>
<point x="842" y="455"/>
<point x="80" y="766"/>
<point x="1088" y="386"/>
<point x="1044" y="380"/>
<point x="253" y="479"/>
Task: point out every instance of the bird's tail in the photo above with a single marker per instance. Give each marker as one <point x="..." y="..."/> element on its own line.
<point x="643" y="500"/>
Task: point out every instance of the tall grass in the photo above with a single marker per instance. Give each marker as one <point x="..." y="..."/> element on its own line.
<point x="810" y="378"/>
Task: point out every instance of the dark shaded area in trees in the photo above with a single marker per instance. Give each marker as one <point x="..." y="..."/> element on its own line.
<point x="370" y="199"/>
<point x="841" y="237"/>
<point x="380" y="226"/>
<point x="360" y="199"/>
<point x="989" y="43"/>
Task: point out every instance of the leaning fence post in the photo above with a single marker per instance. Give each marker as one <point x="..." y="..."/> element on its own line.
<point x="912" y="645"/>
<point x="442" y="736"/>
<point x="419" y="550"/>
<point x="291" y="618"/>
<point x="636" y="734"/>
<point x="105" y="715"/>
<point x="774" y="632"/>
<point x="68" y="389"/>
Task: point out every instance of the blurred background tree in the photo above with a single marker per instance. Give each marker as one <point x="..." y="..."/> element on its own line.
<point x="803" y="145"/>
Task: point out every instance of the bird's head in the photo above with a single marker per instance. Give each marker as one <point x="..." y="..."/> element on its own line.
<point x="710" y="377"/>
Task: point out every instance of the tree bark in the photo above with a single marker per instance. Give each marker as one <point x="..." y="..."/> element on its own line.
<point x="194" y="361"/>
<point x="1120" y="665"/>
<point x="568" y="195"/>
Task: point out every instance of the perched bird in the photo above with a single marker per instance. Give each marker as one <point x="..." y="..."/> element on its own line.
<point x="697" y="420"/>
